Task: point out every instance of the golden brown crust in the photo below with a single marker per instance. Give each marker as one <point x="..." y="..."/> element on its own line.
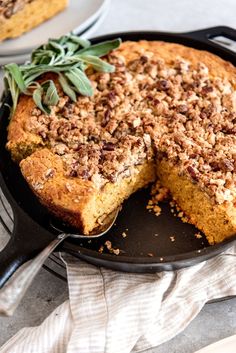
<point x="21" y="142"/>
<point x="169" y="51"/>
<point x="44" y="172"/>
<point x="30" y="16"/>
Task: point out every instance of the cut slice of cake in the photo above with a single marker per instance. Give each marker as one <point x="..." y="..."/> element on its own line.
<point x="20" y="16"/>
<point x="80" y="203"/>
<point x="168" y="111"/>
<point x="217" y="221"/>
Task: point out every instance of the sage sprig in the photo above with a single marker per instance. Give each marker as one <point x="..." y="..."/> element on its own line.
<point x="68" y="57"/>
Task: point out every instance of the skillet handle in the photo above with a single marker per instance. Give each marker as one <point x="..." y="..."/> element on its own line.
<point x="26" y="242"/>
<point x="208" y="34"/>
<point x="13" y="291"/>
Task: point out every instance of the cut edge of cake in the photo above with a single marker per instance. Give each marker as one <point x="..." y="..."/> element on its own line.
<point x="217" y="222"/>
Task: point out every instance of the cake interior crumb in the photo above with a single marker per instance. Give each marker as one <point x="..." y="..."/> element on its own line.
<point x="109" y="247"/>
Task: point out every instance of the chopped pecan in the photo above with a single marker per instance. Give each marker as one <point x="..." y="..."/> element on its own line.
<point x="108" y="146"/>
<point x="163" y="85"/>
<point x="192" y="173"/>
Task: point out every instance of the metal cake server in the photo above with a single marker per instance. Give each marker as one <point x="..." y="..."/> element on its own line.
<point x="13" y="291"/>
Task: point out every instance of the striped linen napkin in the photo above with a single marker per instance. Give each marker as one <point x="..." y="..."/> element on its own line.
<point x="114" y="312"/>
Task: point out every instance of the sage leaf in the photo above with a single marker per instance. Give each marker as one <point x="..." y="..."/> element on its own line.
<point x="81" y="41"/>
<point x="80" y="82"/>
<point x="16" y="74"/>
<point x="10" y="85"/>
<point x="97" y="64"/>
<point x="51" y="96"/>
<point x="101" y="49"/>
<point x="56" y="47"/>
<point x="68" y="57"/>
<point x="67" y="88"/>
<point x="72" y="47"/>
<point x="38" y="100"/>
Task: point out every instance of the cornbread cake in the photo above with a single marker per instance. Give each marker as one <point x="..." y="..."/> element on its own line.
<point x="167" y="112"/>
<point x="20" y="16"/>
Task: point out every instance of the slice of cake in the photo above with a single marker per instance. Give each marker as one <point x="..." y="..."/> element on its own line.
<point x="20" y="16"/>
<point x="168" y="111"/>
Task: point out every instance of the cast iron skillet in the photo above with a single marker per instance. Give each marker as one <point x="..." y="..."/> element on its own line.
<point x="149" y="245"/>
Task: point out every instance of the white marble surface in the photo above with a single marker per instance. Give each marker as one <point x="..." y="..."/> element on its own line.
<point x="217" y="320"/>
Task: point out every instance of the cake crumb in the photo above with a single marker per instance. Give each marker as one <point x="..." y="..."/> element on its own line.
<point x="158" y="193"/>
<point x="172" y="238"/>
<point x="198" y="235"/>
<point x="101" y="249"/>
<point x="124" y="235"/>
<point x="112" y="250"/>
<point x="116" y="251"/>
<point x="180" y="213"/>
<point x="161" y="259"/>
<point x="108" y="244"/>
<point x="157" y="210"/>
<point x="150" y="254"/>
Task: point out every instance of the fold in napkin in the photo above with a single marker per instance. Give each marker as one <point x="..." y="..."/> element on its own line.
<point x="114" y="312"/>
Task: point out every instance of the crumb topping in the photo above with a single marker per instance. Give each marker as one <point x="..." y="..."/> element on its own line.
<point x="148" y="109"/>
<point x="10" y="7"/>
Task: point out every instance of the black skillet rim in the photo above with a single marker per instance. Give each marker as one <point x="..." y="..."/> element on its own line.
<point x="147" y="264"/>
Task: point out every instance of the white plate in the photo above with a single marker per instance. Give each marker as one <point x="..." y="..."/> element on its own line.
<point x="17" y="59"/>
<point x="227" y="345"/>
<point x="20" y="59"/>
<point x="76" y="17"/>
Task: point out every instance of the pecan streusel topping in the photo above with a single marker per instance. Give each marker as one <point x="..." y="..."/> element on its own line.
<point x="10" y="7"/>
<point x="147" y="109"/>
